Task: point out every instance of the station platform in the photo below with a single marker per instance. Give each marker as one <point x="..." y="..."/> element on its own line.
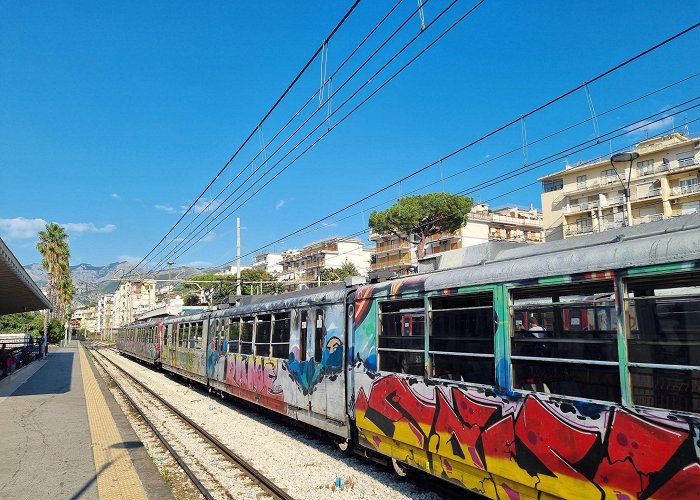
<point x="62" y="435"/>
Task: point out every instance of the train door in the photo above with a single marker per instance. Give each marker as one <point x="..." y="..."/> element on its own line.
<point x="331" y="352"/>
<point x="315" y="341"/>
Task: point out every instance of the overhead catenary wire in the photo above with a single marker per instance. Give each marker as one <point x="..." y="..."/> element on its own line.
<point x="284" y="127"/>
<point x="403" y="68"/>
<point x="538" y="164"/>
<point x="265" y="117"/>
<point x="535" y="110"/>
<point x="552" y="101"/>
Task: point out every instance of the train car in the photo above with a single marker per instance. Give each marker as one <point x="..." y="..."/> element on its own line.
<point x="286" y="353"/>
<point x="142" y="340"/>
<point x="184" y="346"/>
<point x="564" y="370"/>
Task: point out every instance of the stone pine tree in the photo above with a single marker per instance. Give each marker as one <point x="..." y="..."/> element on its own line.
<point x="414" y="218"/>
<point x="347" y="269"/>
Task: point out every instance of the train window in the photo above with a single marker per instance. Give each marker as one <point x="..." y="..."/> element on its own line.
<point x="246" y="341"/>
<point x="280" y="335"/>
<point x="263" y="332"/>
<point x="198" y="332"/>
<point x="234" y="333"/>
<point x="183" y="333"/>
<point x="402" y="337"/>
<point x="318" y="336"/>
<point x="461" y="342"/>
<point x="663" y="316"/>
<point x="302" y="336"/>
<point x="565" y="340"/>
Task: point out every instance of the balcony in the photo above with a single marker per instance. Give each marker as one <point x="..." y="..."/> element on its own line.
<point x="651" y="193"/>
<point x="516" y="221"/>
<point x="505" y="219"/>
<point x="616" y="200"/>
<point x="404" y="261"/>
<point x="433" y="238"/>
<point x="685" y="163"/>
<point x="598" y="182"/>
<point x="686" y="189"/>
<point x="577" y="229"/>
<point x="582" y="207"/>
<point x="649" y="218"/>
<point x="392" y="246"/>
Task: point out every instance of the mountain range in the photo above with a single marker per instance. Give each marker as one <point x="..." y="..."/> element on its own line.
<point x="91" y="282"/>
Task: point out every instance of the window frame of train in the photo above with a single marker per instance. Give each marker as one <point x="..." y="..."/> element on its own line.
<point x="281" y="334"/>
<point x="263" y="334"/>
<point x="661" y="324"/>
<point x="245" y="321"/>
<point x="465" y="307"/>
<point x="401" y="322"/>
<point x="233" y="331"/>
<point x="567" y="358"/>
<point x="319" y="324"/>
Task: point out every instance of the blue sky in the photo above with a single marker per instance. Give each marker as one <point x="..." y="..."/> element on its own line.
<point x="114" y="116"/>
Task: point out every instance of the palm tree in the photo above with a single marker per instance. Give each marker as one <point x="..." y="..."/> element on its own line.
<point x="64" y="293"/>
<point x="53" y="246"/>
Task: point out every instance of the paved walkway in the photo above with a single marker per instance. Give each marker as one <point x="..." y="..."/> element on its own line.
<point x="62" y="435"/>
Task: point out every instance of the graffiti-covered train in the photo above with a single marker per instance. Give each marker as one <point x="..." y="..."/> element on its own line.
<point x="569" y="369"/>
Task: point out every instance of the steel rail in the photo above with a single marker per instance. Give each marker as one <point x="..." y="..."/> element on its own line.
<point x="259" y="478"/>
<point x="193" y="477"/>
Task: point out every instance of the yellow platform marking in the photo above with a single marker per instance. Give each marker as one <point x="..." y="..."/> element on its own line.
<point x="116" y="475"/>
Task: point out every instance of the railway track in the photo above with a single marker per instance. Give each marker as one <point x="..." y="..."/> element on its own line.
<point x="200" y="473"/>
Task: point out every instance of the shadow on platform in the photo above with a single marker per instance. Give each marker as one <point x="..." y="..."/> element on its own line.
<point x="52" y="378"/>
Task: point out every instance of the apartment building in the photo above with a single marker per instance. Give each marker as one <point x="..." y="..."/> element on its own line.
<point x="85" y="319"/>
<point x="587" y="198"/>
<point x="131" y="299"/>
<point x="396" y="255"/>
<point x="305" y="265"/>
<point x="104" y="312"/>
<point x="270" y="262"/>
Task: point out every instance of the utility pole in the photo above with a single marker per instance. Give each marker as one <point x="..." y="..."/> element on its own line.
<point x="238" y="255"/>
<point x="170" y="283"/>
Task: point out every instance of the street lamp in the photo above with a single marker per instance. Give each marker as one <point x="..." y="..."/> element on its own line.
<point x="621" y="158"/>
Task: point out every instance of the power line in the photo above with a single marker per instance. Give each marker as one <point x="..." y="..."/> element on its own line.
<point x="207" y="228"/>
<point x="309" y="100"/>
<point x="496" y="180"/>
<point x="252" y="133"/>
<point x="539" y="108"/>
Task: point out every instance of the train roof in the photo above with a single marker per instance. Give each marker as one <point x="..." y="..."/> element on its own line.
<point x="329" y="294"/>
<point x="662" y="242"/>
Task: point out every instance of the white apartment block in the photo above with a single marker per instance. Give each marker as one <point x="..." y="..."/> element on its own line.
<point x="131" y="299"/>
<point x="305" y="265"/>
<point x="270" y="262"/>
<point x="104" y="312"/>
<point x="663" y="182"/>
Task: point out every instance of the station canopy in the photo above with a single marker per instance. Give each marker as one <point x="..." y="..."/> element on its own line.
<point x="18" y="292"/>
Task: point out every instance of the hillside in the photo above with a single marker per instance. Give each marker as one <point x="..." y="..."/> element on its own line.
<point x="93" y="281"/>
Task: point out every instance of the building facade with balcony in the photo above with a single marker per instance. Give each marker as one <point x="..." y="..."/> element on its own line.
<point x="85" y="319"/>
<point x="270" y="262"/>
<point x="304" y="266"/>
<point x="131" y="299"/>
<point x="396" y="255"/>
<point x="663" y="182"/>
<point x="104" y="312"/>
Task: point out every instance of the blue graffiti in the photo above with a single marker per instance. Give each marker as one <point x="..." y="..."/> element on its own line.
<point x="308" y="373"/>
